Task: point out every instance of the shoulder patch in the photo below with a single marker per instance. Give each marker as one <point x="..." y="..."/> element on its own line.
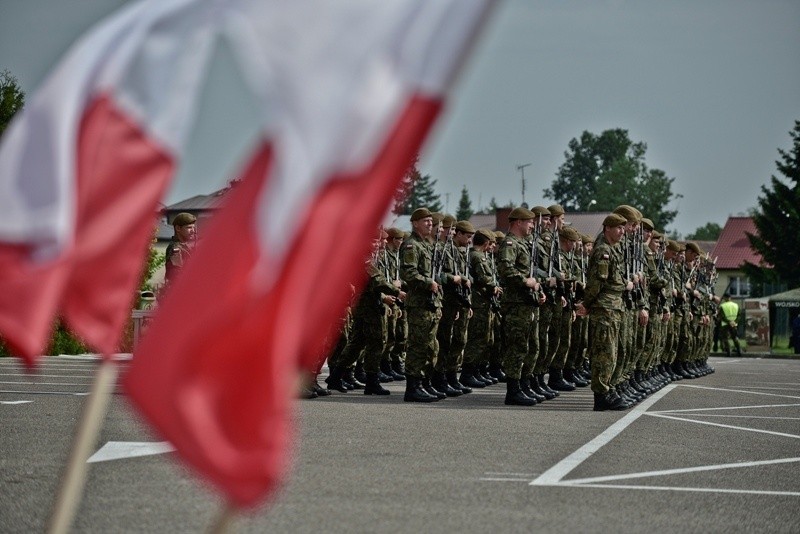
<point x="508" y="242"/>
<point x="409" y="246"/>
<point x="605" y="256"/>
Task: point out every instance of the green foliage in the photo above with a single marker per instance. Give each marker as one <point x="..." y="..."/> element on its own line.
<point x="610" y="170"/>
<point x="777" y="220"/>
<point x="464" y="211"/>
<point x="416" y="191"/>
<point x="65" y="342"/>
<point x="12" y="99"/>
<point x="709" y="232"/>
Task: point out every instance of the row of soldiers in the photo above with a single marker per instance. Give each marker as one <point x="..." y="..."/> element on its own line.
<point x="543" y="308"/>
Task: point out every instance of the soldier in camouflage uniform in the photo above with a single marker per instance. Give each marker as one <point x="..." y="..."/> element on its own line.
<point x="485" y="292"/>
<point x="392" y="361"/>
<point x="603" y="304"/>
<point x="494" y="369"/>
<point x="577" y="360"/>
<point x="456" y="283"/>
<point x="521" y="295"/>
<point x="568" y="239"/>
<point x="423" y="308"/>
<point x="369" y="326"/>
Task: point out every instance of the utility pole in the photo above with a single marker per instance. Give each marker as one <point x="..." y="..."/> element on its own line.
<point x="521" y="168"/>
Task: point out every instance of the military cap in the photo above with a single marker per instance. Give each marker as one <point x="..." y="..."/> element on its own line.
<point x="482" y="236"/>
<point x="656" y="235"/>
<point x="521" y="214"/>
<point x="395" y="233"/>
<point x="569" y="234"/>
<point x="540" y="210"/>
<point x="184" y="219"/>
<point x="648" y="224"/>
<point x="586" y="238"/>
<point x="437" y="217"/>
<point x="465" y="227"/>
<point x="694" y="247"/>
<point x="629" y="212"/>
<point x="613" y="220"/>
<point x="420" y="213"/>
<point x="673" y="246"/>
<point x="406" y="235"/>
<point x="499" y="236"/>
<point x="556" y="210"/>
<point x="448" y="221"/>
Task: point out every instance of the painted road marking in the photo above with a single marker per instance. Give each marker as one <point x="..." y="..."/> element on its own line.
<point x="15" y="402"/>
<point x="724" y="426"/>
<point x="118" y="450"/>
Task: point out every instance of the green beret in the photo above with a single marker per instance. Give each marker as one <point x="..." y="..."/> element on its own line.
<point x="568" y="233"/>
<point x="556" y="210"/>
<point x="448" y="221"/>
<point x="540" y="210"/>
<point x="648" y="224"/>
<point x="420" y="213"/>
<point x="629" y="212"/>
<point x="437" y="217"/>
<point x="482" y="236"/>
<point x="521" y="214"/>
<point x="184" y="219"/>
<point x="673" y="245"/>
<point x="694" y="247"/>
<point x="656" y="235"/>
<point x="586" y="238"/>
<point x="395" y="233"/>
<point x="499" y="236"/>
<point x="465" y="227"/>
<point x="614" y="220"/>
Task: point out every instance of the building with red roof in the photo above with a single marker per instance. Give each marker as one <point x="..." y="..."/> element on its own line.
<point x="731" y="252"/>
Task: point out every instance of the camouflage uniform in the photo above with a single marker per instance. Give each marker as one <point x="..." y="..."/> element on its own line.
<point x="603" y="299"/>
<point x="423" y="307"/>
<point x="480" y="333"/>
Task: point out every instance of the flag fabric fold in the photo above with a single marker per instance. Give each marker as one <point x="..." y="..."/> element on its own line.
<point x="348" y="96"/>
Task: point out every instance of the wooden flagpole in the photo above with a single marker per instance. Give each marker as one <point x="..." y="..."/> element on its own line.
<point x="72" y="481"/>
<point x="223" y="520"/>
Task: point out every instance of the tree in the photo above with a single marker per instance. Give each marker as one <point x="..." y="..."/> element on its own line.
<point x="12" y="99"/>
<point x="416" y="191"/>
<point x="464" y="211"/>
<point x="777" y="220"/>
<point x="601" y="172"/>
<point x="709" y="232"/>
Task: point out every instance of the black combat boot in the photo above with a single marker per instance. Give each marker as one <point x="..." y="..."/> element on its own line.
<point x="548" y="392"/>
<point x="497" y="372"/>
<point x="571" y="375"/>
<point x="319" y="390"/>
<point x="557" y="382"/>
<point x="609" y="401"/>
<point x="441" y="383"/>
<point x="415" y="392"/>
<point x="426" y="385"/>
<point x="399" y="370"/>
<point x="335" y="381"/>
<point x="533" y="380"/>
<point x="515" y="396"/>
<point x="469" y="379"/>
<point x="373" y="385"/>
<point x="452" y="380"/>
<point x="359" y="374"/>
<point x="525" y="386"/>
<point x="483" y="371"/>
<point x="350" y="377"/>
<point x="385" y="374"/>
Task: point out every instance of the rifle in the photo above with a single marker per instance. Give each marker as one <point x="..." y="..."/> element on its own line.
<point x="534" y="258"/>
<point x="400" y="303"/>
<point x="435" y="260"/>
<point x="552" y="293"/>
<point x="580" y="289"/>
<point x="462" y="291"/>
<point x="494" y="300"/>
<point x="627" y="296"/>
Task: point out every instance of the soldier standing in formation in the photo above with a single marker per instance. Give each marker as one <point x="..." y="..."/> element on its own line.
<point x="626" y="313"/>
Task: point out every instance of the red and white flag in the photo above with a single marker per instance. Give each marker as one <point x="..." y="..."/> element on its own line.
<point x="82" y="169"/>
<point x="347" y="97"/>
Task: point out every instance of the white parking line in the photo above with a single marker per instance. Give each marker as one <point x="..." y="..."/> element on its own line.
<point x="724" y="426"/>
<point x="687" y="410"/>
<point x="555" y="474"/>
<point x="740" y="391"/>
<point x="666" y="472"/>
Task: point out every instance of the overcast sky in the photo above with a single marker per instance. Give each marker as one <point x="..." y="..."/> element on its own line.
<point x="712" y="87"/>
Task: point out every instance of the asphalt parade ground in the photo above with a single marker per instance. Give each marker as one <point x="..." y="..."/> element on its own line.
<point x="719" y="453"/>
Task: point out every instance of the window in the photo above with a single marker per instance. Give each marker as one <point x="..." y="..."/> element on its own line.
<point x="739" y="286"/>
